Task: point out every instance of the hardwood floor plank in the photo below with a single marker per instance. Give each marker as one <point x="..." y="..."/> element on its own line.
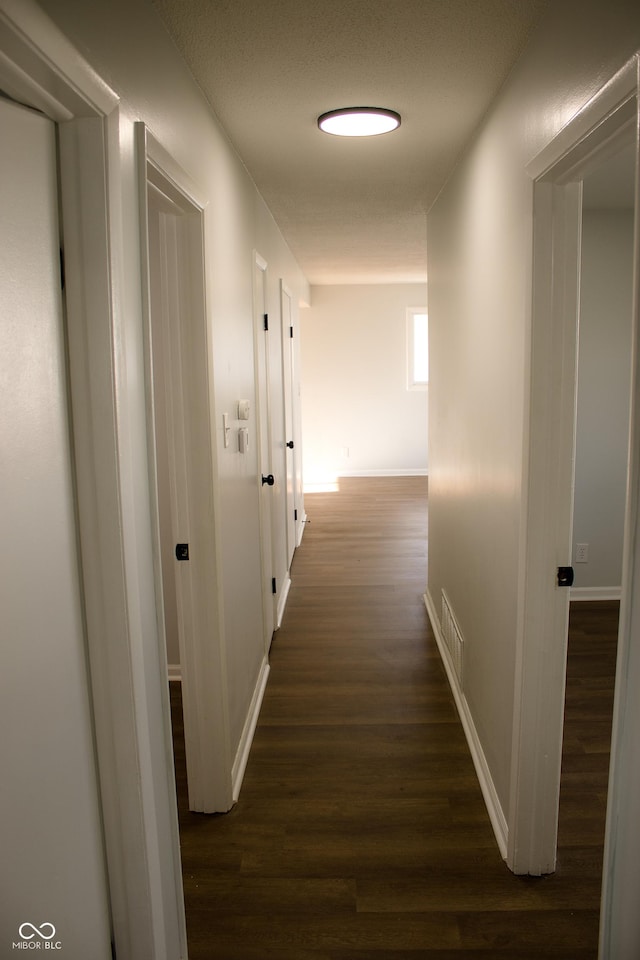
<point x="360" y="932"/>
<point x="361" y="833"/>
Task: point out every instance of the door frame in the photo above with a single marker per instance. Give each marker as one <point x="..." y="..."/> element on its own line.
<point x="264" y="444"/>
<point x="556" y="174"/>
<point x="290" y="433"/>
<point x="192" y="466"/>
<point x="41" y="68"/>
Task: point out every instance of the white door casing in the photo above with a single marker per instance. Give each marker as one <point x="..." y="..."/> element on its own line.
<point x="608" y="121"/>
<point x="181" y="456"/>
<point x="290" y="434"/>
<point x="53" y="858"/>
<point x="40" y="67"/>
<point x="266" y="486"/>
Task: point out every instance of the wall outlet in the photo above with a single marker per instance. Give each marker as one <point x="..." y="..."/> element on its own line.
<point x="582" y="553"/>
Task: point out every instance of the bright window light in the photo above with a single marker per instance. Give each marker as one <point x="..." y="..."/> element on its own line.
<point x="417" y="349"/>
<point x="359" y="121"/>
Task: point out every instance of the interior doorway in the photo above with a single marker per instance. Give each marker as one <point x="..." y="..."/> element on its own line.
<point x="603" y="377"/>
<point x="51" y="802"/>
<point x="607" y="123"/>
<point x="270" y="479"/>
<point x="182" y="458"/>
<point x="600" y="488"/>
<point x="291" y="452"/>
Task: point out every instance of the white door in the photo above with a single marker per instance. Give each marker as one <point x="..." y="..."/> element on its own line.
<point x="267" y="480"/>
<point x="54" y="888"/>
<point x="291" y="453"/>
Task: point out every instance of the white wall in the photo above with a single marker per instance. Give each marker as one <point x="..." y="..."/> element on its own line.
<point x="604" y="371"/>
<point x="128" y="47"/>
<point x="480" y="254"/>
<point x="358" y="416"/>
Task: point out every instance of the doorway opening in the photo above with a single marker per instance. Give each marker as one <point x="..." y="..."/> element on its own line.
<point x="41" y="69"/>
<point x="270" y="478"/>
<point x="181" y="456"/>
<point x="45" y="679"/>
<point x="600" y="488"/>
<point x="598" y="132"/>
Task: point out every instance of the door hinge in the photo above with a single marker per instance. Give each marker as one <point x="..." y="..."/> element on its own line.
<point x="565" y="576"/>
<point x="291" y="332"/>
<point x="62" y="271"/>
<point x="273" y="585"/>
<point x="295" y="514"/>
<point x="265" y="319"/>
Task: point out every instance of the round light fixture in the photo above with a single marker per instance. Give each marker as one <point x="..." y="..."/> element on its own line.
<point x="359" y="121"/>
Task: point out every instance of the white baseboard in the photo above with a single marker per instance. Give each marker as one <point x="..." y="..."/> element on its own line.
<point x="242" y="754"/>
<point x="405" y="472"/>
<point x="492" y="802"/>
<point x="175" y="671"/>
<point x="282" y="602"/>
<point x="595" y="593"/>
<point x="331" y="485"/>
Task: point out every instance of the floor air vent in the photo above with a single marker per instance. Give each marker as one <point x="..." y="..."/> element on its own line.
<point x="452" y="637"/>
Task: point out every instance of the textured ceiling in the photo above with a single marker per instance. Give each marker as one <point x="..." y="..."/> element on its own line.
<point x="352" y="211"/>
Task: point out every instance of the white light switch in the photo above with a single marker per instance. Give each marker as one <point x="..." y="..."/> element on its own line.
<point x="243" y="439"/>
<point x="243" y="409"/>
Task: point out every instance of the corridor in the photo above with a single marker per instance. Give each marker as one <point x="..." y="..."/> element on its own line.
<point x="361" y="833"/>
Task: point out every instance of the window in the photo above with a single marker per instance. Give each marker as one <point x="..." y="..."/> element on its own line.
<point x="417" y="348"/>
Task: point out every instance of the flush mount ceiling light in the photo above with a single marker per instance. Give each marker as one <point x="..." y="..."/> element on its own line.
<point x="359" y="121"/>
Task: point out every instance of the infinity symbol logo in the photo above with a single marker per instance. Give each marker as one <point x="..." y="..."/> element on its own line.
<point x="40" y="931"/>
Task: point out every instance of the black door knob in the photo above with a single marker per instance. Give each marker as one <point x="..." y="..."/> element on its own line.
<point x="565" y="576"/>
<point x="290" y="444"/>
<point x="269" y="480"/>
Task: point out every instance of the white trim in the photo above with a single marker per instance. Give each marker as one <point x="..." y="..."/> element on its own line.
<point x="595" y="593"/>
<point x="244" y="747"/>
<point x="174" y="672"/>
<point x="201" y="628"/>
<point x="546" y="528"/>
<point x="619" y="919"/>
<point x="330" y="485"/>
<point x="282" y="602"/>
<point x="262" y="384"/>
<point x="169" y="169"/>
<point x="289" y="426"/>
<point x="548" y="468"/>
<point x="590" y="130"/>
<point x="405" y="472"/>
<point x="489" y="792"/>
<point x="40" y="67"/>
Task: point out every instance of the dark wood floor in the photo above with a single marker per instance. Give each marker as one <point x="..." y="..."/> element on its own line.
<point x="361" y="833"/>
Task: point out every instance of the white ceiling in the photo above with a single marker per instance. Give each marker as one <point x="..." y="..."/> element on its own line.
<point x="352" y="211"/>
